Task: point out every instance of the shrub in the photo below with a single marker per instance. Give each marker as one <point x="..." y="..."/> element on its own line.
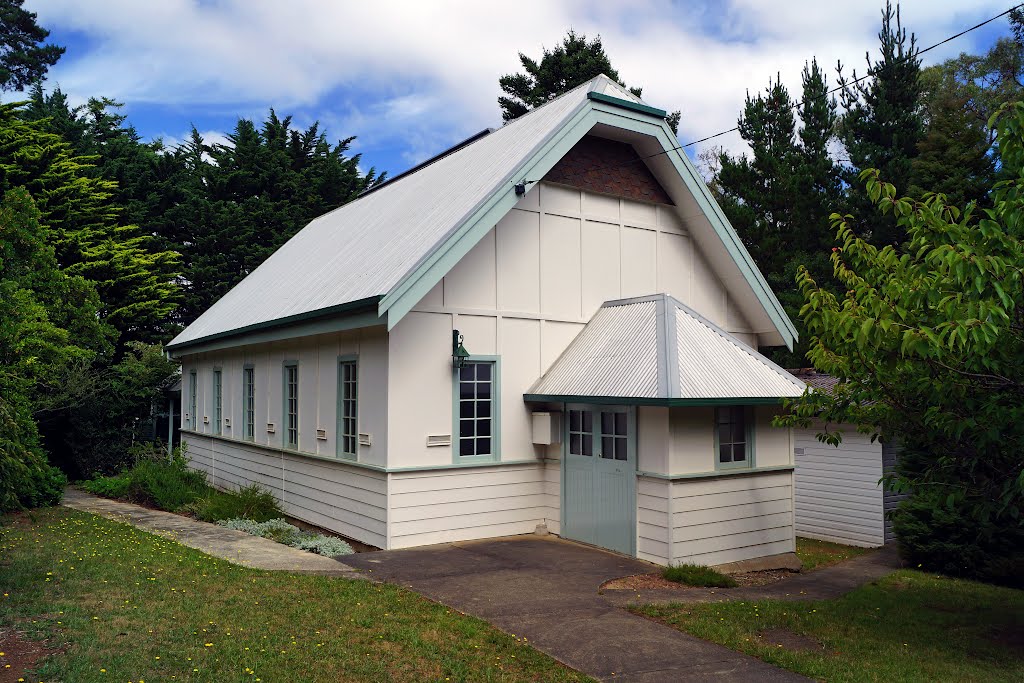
<point x="287" y="534"/>
<point x="108" y="487"/>
<point x="697" y="575"/>
<point x="168" y="485"/>
<point x="249" y="502"/>
<point x="947" y="536"/>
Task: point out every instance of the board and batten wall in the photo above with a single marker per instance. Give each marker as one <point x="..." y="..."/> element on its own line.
<point x="312" y="483"/>
<point x="838" y="495"/>
<point x="523" y="293"/>
<point x="710" y="520"/>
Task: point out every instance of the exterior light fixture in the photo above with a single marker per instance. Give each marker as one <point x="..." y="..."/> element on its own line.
<point x="459" y="352"/>
<point x="520" y="189"/>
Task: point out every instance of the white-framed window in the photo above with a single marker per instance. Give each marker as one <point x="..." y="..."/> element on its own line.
<point x="477" y="409"/>
<point x="348" y="408"/>
<point x="291" y="404"/>
<point x="218" y="386"/>
<point x="249" y="403"/>
<point x="734" y="441"/>
<point x="192" y="402"/>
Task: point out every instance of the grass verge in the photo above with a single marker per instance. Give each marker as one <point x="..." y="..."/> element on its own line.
<point x="909" y="626"/>
<point x="817" y="554"/>
<point x="119" y="604"/>
<point x="697" y="575"/>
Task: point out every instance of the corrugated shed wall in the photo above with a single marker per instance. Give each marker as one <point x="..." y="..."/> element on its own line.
<point x="890" y="453"/>
<point x="838" y="497"/>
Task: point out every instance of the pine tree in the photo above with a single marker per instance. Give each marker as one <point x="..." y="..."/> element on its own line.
<point x="23" y="59"/>
<point x="134" y="280"/>
<point x="573" y="62"/>
<point x="756" y="191"/>
<point x="883" y="124"/>
<point x="236" y="203"/>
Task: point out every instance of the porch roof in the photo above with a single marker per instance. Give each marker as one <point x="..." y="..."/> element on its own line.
<point x="654" y="350"/>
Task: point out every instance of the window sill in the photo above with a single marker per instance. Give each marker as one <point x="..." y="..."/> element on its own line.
<point x="736" y="472"/>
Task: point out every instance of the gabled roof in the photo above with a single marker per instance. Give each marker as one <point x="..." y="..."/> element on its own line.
<point x="388" y="247"/>
<point x="655" y="350"/>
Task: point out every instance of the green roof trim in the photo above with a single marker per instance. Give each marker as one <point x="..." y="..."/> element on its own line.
<point x="626" y="104"/>
<point x="642" y="401"/>
<point x="369" y="303"/>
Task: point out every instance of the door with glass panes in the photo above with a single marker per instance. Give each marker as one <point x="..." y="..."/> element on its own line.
<point x="599" y="477"/>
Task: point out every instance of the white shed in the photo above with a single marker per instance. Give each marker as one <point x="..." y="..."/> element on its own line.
<point x="838" y="494"/>
<point x="403" y="371"/>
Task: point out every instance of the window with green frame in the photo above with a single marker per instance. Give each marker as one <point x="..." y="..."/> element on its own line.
<point x="249" y="403"/>
<point x="348" y="408"/>
<point x="477" y="410"/>
<point x="291" y="405"/>
<point x="192" y="390"/>
<point x="218" y="385"/>
<point x="734" y="437"/>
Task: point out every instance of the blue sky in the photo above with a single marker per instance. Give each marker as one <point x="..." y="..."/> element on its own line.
<point x="411" y="78"/>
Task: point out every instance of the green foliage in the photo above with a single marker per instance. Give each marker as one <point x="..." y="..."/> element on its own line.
<point x="928" y="344"/>
<point x="109" y="487"/>
<point x="251" y="502"/>
<point x="573" y="62"/>
<point x="166" y="485"/>
<point x="779" y="198"/>
<point x="282" y="532"/>
<point x="96" y="434"/>
<point x="697" y="575"/>
<point x="226" y="208"/>
<point x="945" y="538"/>
<point x="24" y="58"/>
<point x="883" y="124"/>
<point x="35" y="350"/>
<point x="134" y="279"/>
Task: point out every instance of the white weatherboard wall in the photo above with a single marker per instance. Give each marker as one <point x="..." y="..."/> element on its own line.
<point x="838" y="496"/>
<point x="728" y="519"/>
<point x="710" y="520"/>
<point x="312" y="484"/>
<point x="343" y="498"/>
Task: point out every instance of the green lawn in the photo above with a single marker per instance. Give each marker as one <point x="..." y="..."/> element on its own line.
<point x="909" y="626"/>
<point x="118" y="604"/>
<point x="818" y="554"/>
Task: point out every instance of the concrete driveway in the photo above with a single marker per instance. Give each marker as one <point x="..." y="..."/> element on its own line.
<point x="546" y="589"/>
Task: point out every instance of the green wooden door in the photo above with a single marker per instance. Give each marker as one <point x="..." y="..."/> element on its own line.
<point x="599" y="478"/>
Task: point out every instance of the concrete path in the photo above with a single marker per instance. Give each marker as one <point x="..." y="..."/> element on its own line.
<point x="822" y="584"/>
<point x="546" y="589"/>
<point x="237" y="547"/>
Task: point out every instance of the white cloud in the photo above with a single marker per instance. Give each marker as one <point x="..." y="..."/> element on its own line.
<point x="424" y="74"/>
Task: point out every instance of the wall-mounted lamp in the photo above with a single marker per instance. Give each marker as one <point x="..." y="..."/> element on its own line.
<point x="459" y="352"/>
<point x="520" y="189"/>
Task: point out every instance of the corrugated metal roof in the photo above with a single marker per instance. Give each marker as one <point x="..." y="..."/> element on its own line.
<point x="366" y="247"/>
<point x="616" y="354"/>
<point x="656" y="348"/>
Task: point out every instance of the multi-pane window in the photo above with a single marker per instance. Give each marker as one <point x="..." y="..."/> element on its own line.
<point x="613" y="436"/>
<point x="348" y="396"/>
<point x="733" y="446"/>
<point x="217" y="401"/>
<point x="291" y="405"/>
<point x="607" y="439"/>
<point x="192" y="400"/>
<point x="581" y="432"/>
<point x="476" y="409"/>
<point x="249" y="403"/>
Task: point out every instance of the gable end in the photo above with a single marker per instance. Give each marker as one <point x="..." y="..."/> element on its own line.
<point x="609" y="167"/>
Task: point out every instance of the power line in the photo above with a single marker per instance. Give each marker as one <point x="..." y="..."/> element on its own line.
<point x="801" y="102"/>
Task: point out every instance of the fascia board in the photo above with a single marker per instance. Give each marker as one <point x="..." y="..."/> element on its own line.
<point x="414" y="286"/>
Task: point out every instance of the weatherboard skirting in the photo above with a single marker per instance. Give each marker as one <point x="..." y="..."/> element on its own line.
<point x="366" y="465"/>
<point x="718" y="474"/>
